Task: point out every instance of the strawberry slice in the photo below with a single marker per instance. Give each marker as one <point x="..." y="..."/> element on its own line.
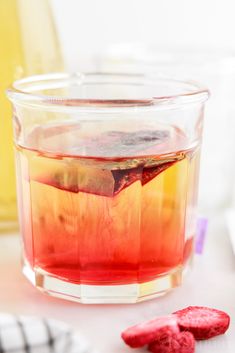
<point x="147" y="332"/>
<point x="202" y="322"/>
<point x="182" y="342"/>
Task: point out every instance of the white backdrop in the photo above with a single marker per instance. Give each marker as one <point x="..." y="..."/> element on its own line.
<point x="88" y="26"/>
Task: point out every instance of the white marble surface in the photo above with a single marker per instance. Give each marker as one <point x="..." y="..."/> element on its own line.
<point x="211" y="283"/>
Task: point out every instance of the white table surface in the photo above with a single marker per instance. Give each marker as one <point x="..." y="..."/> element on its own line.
<point x="211" y="283"/>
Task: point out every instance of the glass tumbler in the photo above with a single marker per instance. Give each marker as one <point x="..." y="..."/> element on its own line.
<point x="107" y="178"/>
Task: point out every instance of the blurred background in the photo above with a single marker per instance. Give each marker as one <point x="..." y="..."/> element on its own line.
<point x="88" y="27"/>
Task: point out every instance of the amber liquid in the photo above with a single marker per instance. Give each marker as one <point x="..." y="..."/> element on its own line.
<point x="11" y="68"/>
<point x="107" y="219"/>
<point x="28" y="46"/>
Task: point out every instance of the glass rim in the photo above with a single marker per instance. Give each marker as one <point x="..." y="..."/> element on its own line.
<point x="19" y="92"/>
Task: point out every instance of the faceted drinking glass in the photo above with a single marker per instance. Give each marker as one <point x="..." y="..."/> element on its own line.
<point x="107" y="174"/>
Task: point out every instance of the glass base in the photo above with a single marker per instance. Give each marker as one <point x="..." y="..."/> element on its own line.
<point x="107" y="294"/>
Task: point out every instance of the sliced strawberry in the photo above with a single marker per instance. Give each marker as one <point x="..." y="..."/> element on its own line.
<point x="182" y="342"/>
<point x="203" y="322"/>
<point x="147" y="332"/>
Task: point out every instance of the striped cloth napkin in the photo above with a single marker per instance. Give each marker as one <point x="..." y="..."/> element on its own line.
<point x="26" y="334"/>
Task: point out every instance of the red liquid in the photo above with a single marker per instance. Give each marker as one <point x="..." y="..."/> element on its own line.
<point x="108" y="220"/>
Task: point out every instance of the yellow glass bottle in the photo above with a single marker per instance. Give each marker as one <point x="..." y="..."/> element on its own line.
<point x="29" y="45"/>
